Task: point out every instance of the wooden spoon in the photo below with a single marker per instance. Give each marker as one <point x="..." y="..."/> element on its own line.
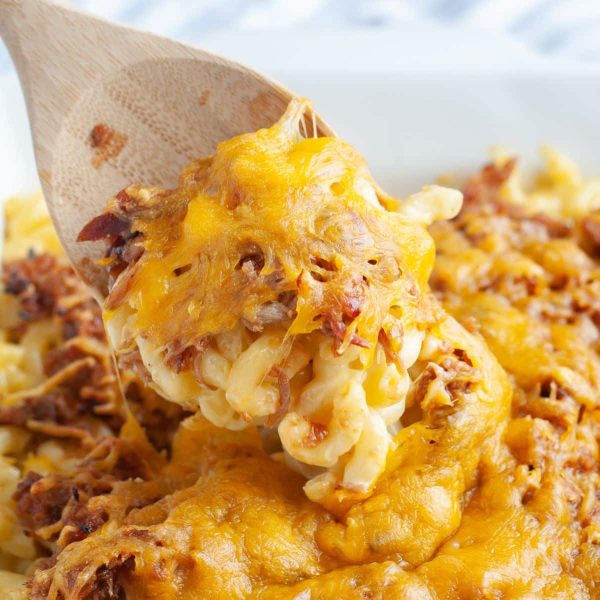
<point x="110" y="106"/>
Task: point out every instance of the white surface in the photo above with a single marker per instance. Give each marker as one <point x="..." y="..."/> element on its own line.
<point x="413" y="108"/>
<point x="17" y="167"/>
<point x="567" y="28"/>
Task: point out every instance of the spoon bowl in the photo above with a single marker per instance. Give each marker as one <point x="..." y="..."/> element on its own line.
<point x="110" y="106"/>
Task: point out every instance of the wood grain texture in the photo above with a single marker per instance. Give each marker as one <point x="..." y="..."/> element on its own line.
<point x="110" y="106"/>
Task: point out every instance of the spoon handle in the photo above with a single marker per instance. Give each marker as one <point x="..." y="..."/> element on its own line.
<point x="14" y="18"/>
<point x="11" y="16"/>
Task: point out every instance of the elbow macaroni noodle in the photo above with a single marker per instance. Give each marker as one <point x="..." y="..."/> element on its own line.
<point x="343" y="412"/>
<point x="559" y="189"/>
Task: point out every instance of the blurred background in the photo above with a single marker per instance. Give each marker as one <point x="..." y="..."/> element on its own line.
<point x="568" y="29"/>
<point x="419" y="86"/>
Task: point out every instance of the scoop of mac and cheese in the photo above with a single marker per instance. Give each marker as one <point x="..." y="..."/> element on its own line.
<point x="277" y="286"/>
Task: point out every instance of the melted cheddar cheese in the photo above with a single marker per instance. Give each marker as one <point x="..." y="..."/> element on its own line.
<point x="490" y="484"/>
<point x="309" y="209"/>
<point x="277" y="286"/>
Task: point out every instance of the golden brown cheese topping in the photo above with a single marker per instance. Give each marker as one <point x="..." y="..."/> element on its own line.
<point x="528" y="282"/>
<point x="277" y="286"/>
<point x="274" y="214"/>
<point x="479" y="497"/>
